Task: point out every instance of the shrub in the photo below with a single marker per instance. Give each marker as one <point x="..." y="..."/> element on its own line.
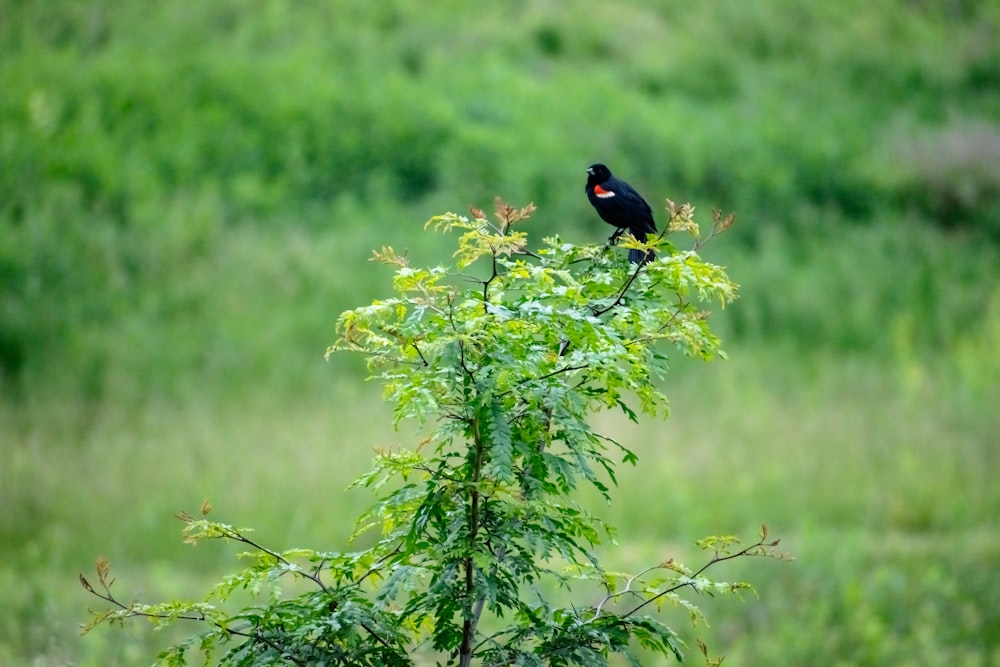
<point x="476" y="527"/>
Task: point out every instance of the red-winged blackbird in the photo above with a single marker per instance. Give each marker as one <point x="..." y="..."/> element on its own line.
<point x="620" y="205"/>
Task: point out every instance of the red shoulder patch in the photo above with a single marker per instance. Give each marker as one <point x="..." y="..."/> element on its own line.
<point x="602" y="193"/>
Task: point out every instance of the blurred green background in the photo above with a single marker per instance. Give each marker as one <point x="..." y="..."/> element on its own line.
<point x="189" y="192"/>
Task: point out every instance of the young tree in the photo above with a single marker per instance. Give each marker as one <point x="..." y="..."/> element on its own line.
<point x="478" y="532"/>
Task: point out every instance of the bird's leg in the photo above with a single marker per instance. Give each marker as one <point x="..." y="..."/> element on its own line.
<point x="613" y="239"/>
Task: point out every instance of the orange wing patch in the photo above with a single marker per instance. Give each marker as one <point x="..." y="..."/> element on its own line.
<point x="602" y="193"/>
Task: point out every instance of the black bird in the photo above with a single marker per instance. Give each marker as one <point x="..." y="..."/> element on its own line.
<point x="620" y="205"/>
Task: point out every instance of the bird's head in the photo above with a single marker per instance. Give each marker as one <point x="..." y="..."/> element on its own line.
<point x="598" y="173"/>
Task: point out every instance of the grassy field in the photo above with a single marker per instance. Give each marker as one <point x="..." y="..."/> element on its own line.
<point x="190" y="192"/>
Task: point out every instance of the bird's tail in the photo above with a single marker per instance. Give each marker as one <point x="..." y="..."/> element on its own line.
<point x="637" y="256"/>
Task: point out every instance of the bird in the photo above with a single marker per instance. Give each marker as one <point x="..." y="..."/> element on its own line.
<point x="620" y="205"/>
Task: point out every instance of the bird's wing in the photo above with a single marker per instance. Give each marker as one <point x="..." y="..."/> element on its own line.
<point x="638" y="209"/>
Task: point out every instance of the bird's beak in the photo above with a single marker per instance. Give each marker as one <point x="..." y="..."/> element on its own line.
<point x="590" y="170"/>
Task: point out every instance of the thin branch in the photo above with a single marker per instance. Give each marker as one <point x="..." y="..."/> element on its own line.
<point x="558" y="371"/>
<point x="486" y="283"/>
<point x="384" y="354"/>
<point x="419" y="353"/>
<point x="545" y="376"/>
<point x="719" y="226"/>
<point x="133" y="612"/>
<point x="313" y="576"/>
<point x="621" y="292"/>
<point x="438" y="474"/>
<point x="654" y="336"/>
<point x="377" y="564"/>
<point x="291" y="567"/>
<point x="626" y="591"/>
<point x="716" y="559"/>
<point x="527" y="253"/>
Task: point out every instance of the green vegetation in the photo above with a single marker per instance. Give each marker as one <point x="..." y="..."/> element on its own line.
<point x="189" y="192"/>
<point x="477" y="534"/>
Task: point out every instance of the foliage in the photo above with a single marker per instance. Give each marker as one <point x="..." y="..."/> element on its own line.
<point x="479" y="526"/>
